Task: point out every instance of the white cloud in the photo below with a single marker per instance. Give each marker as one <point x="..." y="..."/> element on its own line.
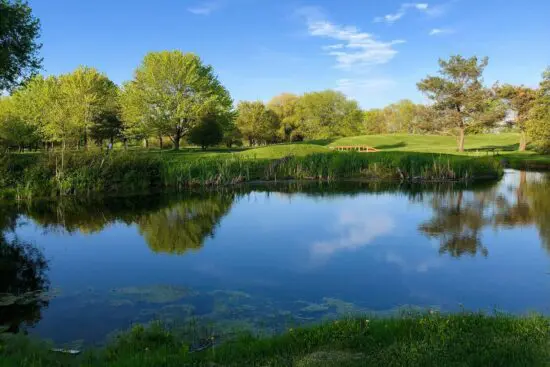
<point x="392" y="18"/>
<point x="204" y="8"/>
<point x="356" y="48"/>
<point x="354" y="230"/>
<point x="440" y="31"/>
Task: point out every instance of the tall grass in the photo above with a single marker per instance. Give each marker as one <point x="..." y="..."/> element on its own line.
<point x="416" y="340"/>
<point x="122" y="172"/>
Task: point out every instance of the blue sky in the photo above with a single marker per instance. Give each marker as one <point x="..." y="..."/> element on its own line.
<point x="374" y="51"/>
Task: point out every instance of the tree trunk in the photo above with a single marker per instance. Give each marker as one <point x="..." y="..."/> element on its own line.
<point x="146" y="143"/>
<point x="461" y="138"/>
<point x="125" y="144"/>
<point x="176" y="142"/>
<point x="523" y="142"/>
<point x="160" y="142"/>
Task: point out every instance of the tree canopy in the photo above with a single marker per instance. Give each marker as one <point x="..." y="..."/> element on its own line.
<point x="19" y="32"/>
<point x="459" y="93"/>
<point x="171" y="93"/>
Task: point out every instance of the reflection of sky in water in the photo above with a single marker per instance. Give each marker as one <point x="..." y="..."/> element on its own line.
<point x="365" y="249"/>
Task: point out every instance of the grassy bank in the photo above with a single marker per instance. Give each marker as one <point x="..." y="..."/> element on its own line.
<point x="424" y="340"/>
<point x="82" y="173"/>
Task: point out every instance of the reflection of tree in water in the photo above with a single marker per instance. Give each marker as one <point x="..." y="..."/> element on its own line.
<point x="92" y="216"/>
<point x="23" y="283"/>
<point x="457" y="223"/>
<point x="186" y="224"/>
<point x="459" y="217"/>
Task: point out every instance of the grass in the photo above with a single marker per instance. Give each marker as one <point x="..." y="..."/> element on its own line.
<point x="84" y="173"/>
<point x="410" y="340"/>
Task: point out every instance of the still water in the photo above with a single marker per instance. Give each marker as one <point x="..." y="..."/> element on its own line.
<point x="267" y="257"/>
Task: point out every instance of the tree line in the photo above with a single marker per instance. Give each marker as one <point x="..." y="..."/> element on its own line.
<point x="175" y="95"/>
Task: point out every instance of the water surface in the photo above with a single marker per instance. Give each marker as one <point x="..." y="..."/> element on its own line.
<point x="267" y="257"/>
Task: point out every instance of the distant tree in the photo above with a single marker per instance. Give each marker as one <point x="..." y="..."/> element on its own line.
<point x="374" y="122"/>
<point x="328" y="114"/>
<point x="107" y="125"/>
<point x="399" y="117"/>
<point x="208" y="133"/>
<point x="285" y="106"/>
<point x="520" y="99"/>
<point x="459" y="93"/>
<point x="19" y="32"/>
<point x="170" y="94"/>
<point x="257" y="123"/>
<point x="14" y="130"/>
<point x="538" y="124"/>
<point x="232" y="135"/>
<point x="88" y="96"/>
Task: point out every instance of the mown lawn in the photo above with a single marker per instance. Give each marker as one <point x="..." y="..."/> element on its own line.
<point x="424" y="340"/>
<point x="502" y="145"/>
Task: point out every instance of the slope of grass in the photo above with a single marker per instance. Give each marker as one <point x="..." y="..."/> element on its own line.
<point x="432" y="143"/>
<point x="283" y="150"/>
<point x="422" y="340"/>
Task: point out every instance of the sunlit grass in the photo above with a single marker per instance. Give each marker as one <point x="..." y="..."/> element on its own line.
<point x="410" y="340"/>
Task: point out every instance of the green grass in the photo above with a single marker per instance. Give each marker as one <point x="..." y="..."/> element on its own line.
<point x="415" y="340"/>
<point x="433" y="143"/>
<point x="84" y="173"/>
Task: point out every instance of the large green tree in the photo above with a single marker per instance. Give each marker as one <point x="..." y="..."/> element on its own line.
<point x="520" y="99"/>
<point x="328" y="114"/>
<point x="285" y="106"/>
<point x="87" y="95"/>
<point x="538" y="124"/>
<point x="460" y="95"/>
<point x="19" y="46"/>
<point x="257" y="123"/>
<point x="171" y="93"/>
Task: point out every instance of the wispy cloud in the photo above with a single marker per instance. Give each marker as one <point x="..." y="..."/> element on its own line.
<point x="205" y="8"/>
<point x="353" y="230"/>
<point x="403" y="9"/>
<point x="354" y="48"/>
<point x="441" y="31"/>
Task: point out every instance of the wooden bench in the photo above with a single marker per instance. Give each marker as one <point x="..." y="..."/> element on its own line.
<point x="355" y="148"/>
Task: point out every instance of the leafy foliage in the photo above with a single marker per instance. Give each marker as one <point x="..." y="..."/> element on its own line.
<point x="459" y="93"/>
<point x="19" y="31"/>
<point x="170" y="94"/>
<point x="208" y="133"/>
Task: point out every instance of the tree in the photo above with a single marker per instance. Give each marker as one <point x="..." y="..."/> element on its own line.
<point x="207" y="133"/>
<point x="328" y="114"/>
<point x="459" y="93"/>
<point x="285" y="106"/>
<point x="520" y="99"/>
<point x="87" y="95"/>
<point x="257" y="123"/>
<point x="107" y="125"/>
<point x="14" y="130"/>
<point x="538" y="124"/>
<point x="374" y="122"/>
<point x="171" y="93"/>
<point x="19" y="31"/>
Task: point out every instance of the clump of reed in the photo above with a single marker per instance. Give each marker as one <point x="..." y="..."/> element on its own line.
<point x="83" y="173"/>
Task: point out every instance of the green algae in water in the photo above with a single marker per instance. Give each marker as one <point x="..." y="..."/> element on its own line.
<point x="153" y="294"/>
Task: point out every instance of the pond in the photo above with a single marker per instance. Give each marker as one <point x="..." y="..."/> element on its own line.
<point x="267" y="257"/>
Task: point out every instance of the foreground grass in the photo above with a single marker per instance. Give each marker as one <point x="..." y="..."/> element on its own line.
<point x="422" y="340"/>
<point x="83" y="173"/>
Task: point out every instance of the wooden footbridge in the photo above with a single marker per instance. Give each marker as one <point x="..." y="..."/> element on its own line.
<point x="355" y="148"/>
